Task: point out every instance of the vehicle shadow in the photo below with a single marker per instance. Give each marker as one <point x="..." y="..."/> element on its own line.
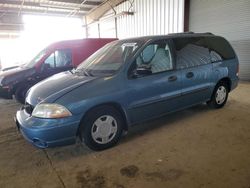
<point x="80" y="150"/>
<point x="67" y="152"/>
<point x="166" y="120"/>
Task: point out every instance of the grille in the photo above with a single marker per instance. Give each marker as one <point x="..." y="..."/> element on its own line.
<point x="28" y="108"/>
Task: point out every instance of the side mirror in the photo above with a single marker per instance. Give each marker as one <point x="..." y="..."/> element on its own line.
<point x="142" y="71"/>
<point x="70" y="67"/>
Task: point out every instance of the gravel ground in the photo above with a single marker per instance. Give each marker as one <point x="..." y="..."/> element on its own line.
<point x="197" y="147"/>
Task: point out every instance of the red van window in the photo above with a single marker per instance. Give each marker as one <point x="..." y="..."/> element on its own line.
<point x="59" y="58"/>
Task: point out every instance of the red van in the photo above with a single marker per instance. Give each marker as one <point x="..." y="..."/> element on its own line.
<point x="57" y="57"/>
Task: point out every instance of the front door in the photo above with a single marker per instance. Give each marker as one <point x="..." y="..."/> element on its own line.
<point x="155" y="88"/>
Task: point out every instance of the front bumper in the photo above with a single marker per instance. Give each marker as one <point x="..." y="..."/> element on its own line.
<point x="45" y="133"/>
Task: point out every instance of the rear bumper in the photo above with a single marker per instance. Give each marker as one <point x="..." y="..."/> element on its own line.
<point x="45" y="133"/>
<point x="234" y="83"/>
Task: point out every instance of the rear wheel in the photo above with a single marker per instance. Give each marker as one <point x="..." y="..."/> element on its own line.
<point x="102" y="128"/>
<point x="220" y="95"/>
<point x="20" y="93"/>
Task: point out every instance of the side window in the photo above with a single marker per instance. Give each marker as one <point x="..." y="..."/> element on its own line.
<point x="155" y="57"/>
<point x="59" y="58"/>
<point x="50" y="61"/>
<point x="220" y="49"/>
<point x="63" y="58"/>
<point x="191" y="52"/>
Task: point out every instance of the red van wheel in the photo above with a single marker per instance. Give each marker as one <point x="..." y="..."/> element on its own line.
<point x="20" y="93"/>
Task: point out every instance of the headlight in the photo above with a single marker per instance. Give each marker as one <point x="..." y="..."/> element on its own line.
<point x="51" y="111"/>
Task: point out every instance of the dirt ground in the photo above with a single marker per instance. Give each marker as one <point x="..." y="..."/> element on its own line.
<point x="197" y="147"/>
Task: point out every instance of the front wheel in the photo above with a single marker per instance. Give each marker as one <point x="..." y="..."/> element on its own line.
<point x="102" y="128"/>
<point x="220" y="95"/>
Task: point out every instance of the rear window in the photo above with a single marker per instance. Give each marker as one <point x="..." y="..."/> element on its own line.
<point x="220" y="49"/>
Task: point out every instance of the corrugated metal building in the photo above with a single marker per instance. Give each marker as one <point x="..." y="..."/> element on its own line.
<point x="230" y="19"/>
<point x="151" y="17"/>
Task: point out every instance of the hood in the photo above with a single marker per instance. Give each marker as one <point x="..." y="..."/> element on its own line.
<point x="51" y="89"/>
<point x="8" y="68"/>
<point x="15" y="74"/>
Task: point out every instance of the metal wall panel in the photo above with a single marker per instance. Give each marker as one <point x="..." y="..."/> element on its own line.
<point x="107" y="29"/>
<point x="93" y="31"/>
<point x="242" y="48"/>
<point x="152" y="17"/>
<point x="228" y="18"/>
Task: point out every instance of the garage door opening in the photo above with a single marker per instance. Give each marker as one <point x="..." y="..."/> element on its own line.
<point x="39" y="31"/>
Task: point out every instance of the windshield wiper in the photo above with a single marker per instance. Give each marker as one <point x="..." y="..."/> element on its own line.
<point x="90" y="72"/>
<point x="72" y="71"/>
<point x="84" y="71"/>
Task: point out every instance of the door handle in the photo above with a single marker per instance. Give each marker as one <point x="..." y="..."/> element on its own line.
<point x="172" y="78"/>
<point x="190" y="75"/>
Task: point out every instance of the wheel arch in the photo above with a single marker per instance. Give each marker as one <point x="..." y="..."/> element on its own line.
<point x="21" y="84"/>
<point x="114" y="105"/>
<point x="226" y="80"/>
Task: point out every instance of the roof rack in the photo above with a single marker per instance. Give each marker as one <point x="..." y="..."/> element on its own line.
<point x="190" y="32"/>
<point x="182" y="33"/>
<point x="209" y="33"/>
<point x="187" y="32"/>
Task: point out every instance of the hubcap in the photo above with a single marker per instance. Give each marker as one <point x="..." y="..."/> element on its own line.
<point x="221" y="94"/>
<point x="104" y="129"/>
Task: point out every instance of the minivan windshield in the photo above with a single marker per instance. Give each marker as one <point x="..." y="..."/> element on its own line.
<point x="37" y="58"/>
<point x="108" y="59"/>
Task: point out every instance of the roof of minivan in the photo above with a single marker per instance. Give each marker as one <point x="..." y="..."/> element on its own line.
<point x="172" y="35"/>
<point x="66" y="43"/>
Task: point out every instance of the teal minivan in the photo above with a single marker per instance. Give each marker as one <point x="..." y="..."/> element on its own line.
<point x="126" y="82"/>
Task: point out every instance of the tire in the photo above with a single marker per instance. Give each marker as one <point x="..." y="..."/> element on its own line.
<point x="220" y="95"/>
<point x="20" y="93"/>
<point x="102" y="128"/>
